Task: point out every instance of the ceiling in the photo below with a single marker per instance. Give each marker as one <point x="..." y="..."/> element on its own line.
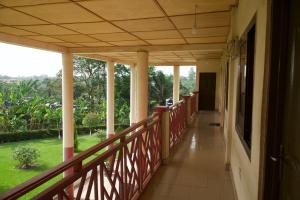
<point x="120" y="23"/>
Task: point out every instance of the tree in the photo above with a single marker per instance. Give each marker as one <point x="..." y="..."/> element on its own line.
<point x="91" y="120"/>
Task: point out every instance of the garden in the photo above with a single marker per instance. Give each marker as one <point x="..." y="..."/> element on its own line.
<point x="30" y="115"/>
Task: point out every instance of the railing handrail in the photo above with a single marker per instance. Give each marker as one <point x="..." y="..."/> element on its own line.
<point x="36" y="181"/>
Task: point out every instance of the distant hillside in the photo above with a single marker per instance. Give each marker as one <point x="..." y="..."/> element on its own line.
<point x="9" y="78"/>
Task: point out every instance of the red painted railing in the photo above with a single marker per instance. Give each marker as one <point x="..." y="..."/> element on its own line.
<point x="118" y="168"/>
<point x="177" y="122"/>
<point x="193" y="104"/>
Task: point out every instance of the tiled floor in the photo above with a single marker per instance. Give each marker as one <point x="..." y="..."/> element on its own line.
<point x="196" y="169"/>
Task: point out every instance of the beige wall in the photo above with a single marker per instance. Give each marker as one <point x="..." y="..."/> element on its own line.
<point x="212" y="65"/>
<point x="245" y="171"/>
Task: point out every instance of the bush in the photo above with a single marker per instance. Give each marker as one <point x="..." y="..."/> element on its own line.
<point x="48" y="133"/>
<point x="26" y="156"/>
<point x="101" y="134"/>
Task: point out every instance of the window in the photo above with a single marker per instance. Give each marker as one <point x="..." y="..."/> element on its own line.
<point x="226" y="85"/>
<point x="245" y="88"/>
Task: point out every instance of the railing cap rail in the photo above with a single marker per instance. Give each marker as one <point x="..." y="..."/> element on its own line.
<point x="32" y="183"/>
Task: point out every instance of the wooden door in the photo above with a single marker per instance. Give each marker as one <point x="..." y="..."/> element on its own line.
<point x="207" y="91"/>
<point x="282" y="171"/>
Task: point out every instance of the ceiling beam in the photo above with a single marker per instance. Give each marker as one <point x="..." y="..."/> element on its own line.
<point x="182" y="47"/>
<point x="173" y="63"/>
<point x="104" y="58"/>
<point x="26" y="42"/>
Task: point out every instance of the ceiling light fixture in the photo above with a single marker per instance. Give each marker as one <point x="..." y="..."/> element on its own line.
<point x="195" y="26"/>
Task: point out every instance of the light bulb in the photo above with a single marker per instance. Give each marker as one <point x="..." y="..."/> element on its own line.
<point x="194" y="29"/>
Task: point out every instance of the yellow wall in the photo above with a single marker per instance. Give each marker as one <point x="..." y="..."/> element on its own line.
<point x="245" y="171"/>
<point x="212" y="65"/>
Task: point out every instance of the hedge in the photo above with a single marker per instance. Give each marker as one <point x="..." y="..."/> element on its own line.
<point x="45" y="133"/>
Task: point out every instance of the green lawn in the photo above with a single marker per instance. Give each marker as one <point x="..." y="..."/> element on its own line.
<point x="51" y="155"/>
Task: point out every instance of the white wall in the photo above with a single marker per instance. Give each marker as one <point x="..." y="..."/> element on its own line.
<point x="212" y="65"/>
<point x="246" y="171"/>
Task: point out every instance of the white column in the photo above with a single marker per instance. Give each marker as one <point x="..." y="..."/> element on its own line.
<point x="132" y="93"/>
<point x="197" y="78"/>
<point x="67" y="106"/>
<point x="110" y="99"/>
<point x="176" y="83"/>
<point x="142" y="86"/>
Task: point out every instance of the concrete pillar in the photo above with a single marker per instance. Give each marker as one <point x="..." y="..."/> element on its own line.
<point x="187" y="100"/>
<point x="67" y="106"/>
<point x="165" y="131"/>
<point x="142" y="86"/>
<point x="197" y="100"/>
<point x="176" y="83"/>
<point x="197" y="78"/>
<point x="110" y="96"/>
<point x="132" y="93"/>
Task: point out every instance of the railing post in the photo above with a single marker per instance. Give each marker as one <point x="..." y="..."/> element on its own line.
<point x="165" y="132"/>
<point x="187" y="100"/>
<point x="196" y="93"/>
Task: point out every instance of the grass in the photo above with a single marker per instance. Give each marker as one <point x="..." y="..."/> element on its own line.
<point x="51" y="155"/>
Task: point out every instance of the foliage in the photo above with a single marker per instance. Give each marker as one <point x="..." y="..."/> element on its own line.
<point x="187" y="84"/>
<point x="35" y="104"/>
<point x="91" y="120"/>
<point x="101" y="134"/>
<point x="26" y="156"/>
<point x="76" y="141"/>
<point x="49" y="148"/>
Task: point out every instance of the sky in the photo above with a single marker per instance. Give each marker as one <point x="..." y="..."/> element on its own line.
<point x="18" y="61"/>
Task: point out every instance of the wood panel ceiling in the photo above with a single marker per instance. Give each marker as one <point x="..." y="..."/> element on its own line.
<point x="119" y="23"/>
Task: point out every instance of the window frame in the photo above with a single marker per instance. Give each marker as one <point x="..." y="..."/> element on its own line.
<point x="244" y="104"/>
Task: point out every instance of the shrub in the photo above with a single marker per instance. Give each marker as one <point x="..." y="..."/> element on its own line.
<point x="101" y="134"/>
<point x="26" y="156"/>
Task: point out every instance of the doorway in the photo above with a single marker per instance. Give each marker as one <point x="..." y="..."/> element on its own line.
<point x="282" y="164"/>
<point x="207" y="91"/>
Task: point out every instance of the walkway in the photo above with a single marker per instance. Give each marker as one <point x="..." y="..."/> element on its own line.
<point x="196" y="169"/>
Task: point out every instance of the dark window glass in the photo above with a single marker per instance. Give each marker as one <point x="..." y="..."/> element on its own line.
<point x="226" y="85"/>
<point x="245" y="88"/>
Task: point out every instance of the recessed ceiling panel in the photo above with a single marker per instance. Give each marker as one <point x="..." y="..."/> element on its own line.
<point x="95" y="44"/>
<point x="154" y="24"/>
<point x="129" y="43"/>
<point x="170" y="34"/>
<point x="75" y="38"/>
<point x="12" y="17"/>
<point x="48" y="29"/>
<point x="206" y="32"/>
<point x="28" y="2"/>
<point x="14" y="31"/>
<point x="181" y="7"/>
<point x="123" y="9"/>
<point x="166" y="41"/>
<point x="44" y="38"/>
<point x="67" y="44"/>
<point x="203" y="20"/>
<point x="60" y="13"/>
<point x="93" y="28"/>
<point x="111" y="37"/>
<point x="207" y="40"/>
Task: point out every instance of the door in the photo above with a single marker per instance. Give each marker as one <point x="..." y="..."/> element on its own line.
<point x="282" y="170"/>
<point x="207" y="91"/>
<point x="290" y="180"/>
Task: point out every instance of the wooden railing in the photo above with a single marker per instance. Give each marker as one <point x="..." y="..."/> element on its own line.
<point x="193" y="103"/>
<point x="118" y="168"/>
<point x="177" y="122"/>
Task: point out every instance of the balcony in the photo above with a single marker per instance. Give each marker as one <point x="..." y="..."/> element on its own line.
<point x="126" y="165"/>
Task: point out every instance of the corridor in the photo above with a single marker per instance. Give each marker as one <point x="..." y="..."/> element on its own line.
<point x="196" y="168"/>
